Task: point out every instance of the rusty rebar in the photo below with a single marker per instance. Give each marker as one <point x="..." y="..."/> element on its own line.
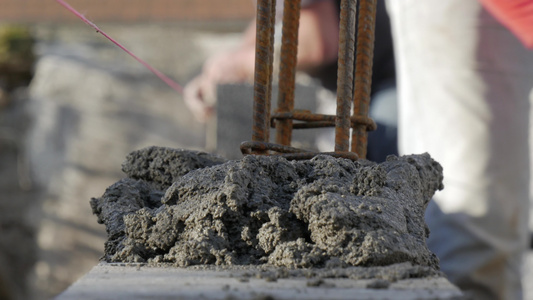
<point x="323" y="120"/>
<point x="288" y="152"/>
<point x="253" y="146"/>
<point x="348" y="88"/>
<point x="287" y="73"/>
<point x="263" y="69"/>
<point x="345" y="74"/>
<point x="272" y="27"/>
<point x="309" y="155"/>
<point x="363" y="72"/>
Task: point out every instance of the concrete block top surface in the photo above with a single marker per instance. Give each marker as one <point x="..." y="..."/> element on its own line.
<point x="138" y="281"/>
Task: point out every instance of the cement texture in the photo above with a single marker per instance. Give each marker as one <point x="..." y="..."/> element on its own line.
<point x="189" y="208"/>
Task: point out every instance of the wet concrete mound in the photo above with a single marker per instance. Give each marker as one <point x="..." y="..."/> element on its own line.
<point x="191" y="208"/>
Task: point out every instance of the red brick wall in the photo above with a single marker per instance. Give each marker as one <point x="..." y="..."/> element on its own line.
<point x="127" y="10"/>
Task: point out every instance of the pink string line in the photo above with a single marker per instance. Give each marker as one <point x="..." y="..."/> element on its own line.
<point x="162" y="76"/>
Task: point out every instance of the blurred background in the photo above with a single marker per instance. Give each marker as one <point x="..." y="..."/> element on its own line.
<point x="73" y="105"/>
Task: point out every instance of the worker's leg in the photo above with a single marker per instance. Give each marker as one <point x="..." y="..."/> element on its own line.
<point x="464" y="83"/>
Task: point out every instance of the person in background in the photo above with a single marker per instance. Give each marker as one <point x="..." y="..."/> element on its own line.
<point x="317" y="56"/>
<point x="465" y="86"/>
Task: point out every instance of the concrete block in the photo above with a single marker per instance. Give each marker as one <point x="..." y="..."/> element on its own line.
<point x="112" y="281"/>
<point x="234" y="117"/>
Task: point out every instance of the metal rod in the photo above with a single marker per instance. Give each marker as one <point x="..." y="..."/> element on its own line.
<point x="345" y="74"/>
<point x="250" y="147"/>
<point x="319" y="121"/>
<point x="272" y="27"/>
<point x="290" y="152"/>
<point x="309" y="117"/>
<point x="349" y="89"/>
<point x="363" y="73"/>
<point x="287" y="73"/>
<point x="263" y="70"/>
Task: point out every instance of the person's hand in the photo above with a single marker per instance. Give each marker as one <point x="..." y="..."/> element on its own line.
<point x="230" y="67"/>
<point x="318" y="45"/>
<point x="199" y="95"/>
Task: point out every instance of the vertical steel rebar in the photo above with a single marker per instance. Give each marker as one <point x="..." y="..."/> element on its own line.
<point x="351" y="88"/>
<point x="363" y="73"/>
<point x="287" y="73"/>
<point x="272" y="27"/>
<point x="263" y="69"/>
<point x="345" y="74"/>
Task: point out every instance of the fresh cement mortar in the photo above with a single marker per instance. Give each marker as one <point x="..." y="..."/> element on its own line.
<point x="191" y="208"/>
